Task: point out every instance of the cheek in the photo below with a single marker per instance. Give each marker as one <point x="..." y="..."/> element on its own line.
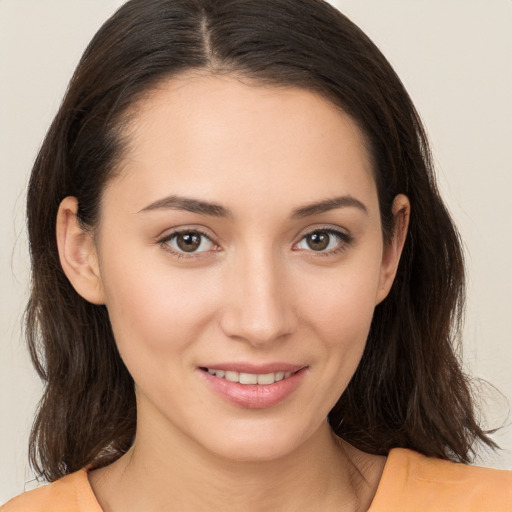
<point x="338" y="310"/>
<point x="154" y="307"/>
<point x="341" y="303"/>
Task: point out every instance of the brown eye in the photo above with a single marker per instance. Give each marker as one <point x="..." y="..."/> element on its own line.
<point x="318" y="241"/>
<point x="324" y="240"/>
<point x="189" y="242"/>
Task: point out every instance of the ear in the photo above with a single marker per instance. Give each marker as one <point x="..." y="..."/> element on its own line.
<point x="401" y="210"/>
<point x="77" y="253"/>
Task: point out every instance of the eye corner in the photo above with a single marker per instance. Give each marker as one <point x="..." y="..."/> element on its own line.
<point x="331" y="241"/>
<point x="200" y="243"/>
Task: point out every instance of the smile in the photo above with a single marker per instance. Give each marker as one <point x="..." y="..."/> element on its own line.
<point x="264" y="379"/>
<point x="253" y="387"/>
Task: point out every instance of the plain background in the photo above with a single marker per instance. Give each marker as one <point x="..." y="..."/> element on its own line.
<point x="454" y="57"/>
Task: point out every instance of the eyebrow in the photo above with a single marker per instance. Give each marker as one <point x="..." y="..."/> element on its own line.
<point x="175" y="202"/>
<point x="190" y="205"/>
<point x="327" y="205"/>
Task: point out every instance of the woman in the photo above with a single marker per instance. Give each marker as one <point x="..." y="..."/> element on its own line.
<point x="254" y="281"/>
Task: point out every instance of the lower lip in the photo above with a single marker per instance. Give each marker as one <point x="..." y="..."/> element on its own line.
<point x="254" y="396"/>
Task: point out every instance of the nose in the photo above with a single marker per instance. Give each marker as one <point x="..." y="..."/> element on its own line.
<point x="259" y="301"/>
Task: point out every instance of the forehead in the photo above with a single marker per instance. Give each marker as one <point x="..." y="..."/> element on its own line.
<point x="224" y="136"/>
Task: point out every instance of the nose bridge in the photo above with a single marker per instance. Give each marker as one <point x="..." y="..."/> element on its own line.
<point x="260" y="309"/>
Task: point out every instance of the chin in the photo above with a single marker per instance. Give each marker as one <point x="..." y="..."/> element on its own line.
<point x="256" y="451"/>
<point x="256" y="443"/>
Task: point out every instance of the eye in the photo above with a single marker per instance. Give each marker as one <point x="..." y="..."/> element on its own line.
<point x="324" y="240"/>
<point x="189" y="242"/>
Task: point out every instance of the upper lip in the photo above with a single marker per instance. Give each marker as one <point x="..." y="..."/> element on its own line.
<point x="259" y="369"/>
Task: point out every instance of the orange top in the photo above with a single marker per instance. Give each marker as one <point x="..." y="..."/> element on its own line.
<point x="410" y="483"/>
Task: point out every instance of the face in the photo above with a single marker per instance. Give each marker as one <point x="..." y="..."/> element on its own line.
<point x="240" y="257"/>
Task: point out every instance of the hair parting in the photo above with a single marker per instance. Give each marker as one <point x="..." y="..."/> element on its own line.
<point x="409" y="389"/>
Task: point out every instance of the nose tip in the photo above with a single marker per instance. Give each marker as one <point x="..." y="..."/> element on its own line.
<point x="259" y="309"/>
<point x="258" y="330"/>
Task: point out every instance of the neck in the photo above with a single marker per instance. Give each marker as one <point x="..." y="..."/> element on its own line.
<point x="162" y="472"/>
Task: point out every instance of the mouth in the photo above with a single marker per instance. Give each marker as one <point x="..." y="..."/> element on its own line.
<point x="247" y="386"/>
<point x="263" y="379"/>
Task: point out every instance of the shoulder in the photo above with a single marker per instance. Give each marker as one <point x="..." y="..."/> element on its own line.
<point x="414" y="482"/>
<point x="71" y="493"/>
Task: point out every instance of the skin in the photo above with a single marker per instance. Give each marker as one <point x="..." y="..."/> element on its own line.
<point x="255" y="291"/>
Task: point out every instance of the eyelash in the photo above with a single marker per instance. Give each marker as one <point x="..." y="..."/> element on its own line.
<point x="345" y="240"/>
<point x="164" y="242"/>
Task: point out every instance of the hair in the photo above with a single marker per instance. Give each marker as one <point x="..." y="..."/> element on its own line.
<point x="409" y="389"/>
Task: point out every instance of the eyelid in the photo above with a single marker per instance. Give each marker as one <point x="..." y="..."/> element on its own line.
<point x="163" y="242"/>
<point x="344" y="236"/>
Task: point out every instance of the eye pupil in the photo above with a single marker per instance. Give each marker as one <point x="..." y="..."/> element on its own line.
<point x="188" y="242"/>
<point x="318" y="241"/>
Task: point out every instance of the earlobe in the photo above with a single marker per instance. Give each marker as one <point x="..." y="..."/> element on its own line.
<point x="401" y="210"/>
<point x="77" y="253"/>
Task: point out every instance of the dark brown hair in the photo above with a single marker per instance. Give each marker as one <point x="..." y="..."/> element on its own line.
<point x="409" y="390"/>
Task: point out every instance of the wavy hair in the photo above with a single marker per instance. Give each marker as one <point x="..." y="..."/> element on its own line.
<point x="409" y="389"/>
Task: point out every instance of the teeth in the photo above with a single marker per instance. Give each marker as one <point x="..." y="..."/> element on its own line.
<point x="231" y="376"/>
<point x="250" y="378"/>
<point x="266" y="378"/>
